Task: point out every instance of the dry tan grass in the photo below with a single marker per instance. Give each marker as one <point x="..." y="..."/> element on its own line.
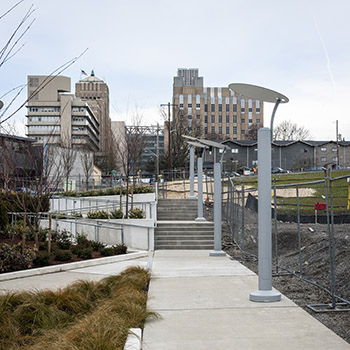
<point x="86" y="315"/>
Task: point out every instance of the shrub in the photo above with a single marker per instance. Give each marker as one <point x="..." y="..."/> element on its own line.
<point x="64" y="239"/>
<point x="4" y="219"/>
<point x="63" y="255"/>
<point x="82" y="240"/>
<point x="42" y="259"/>
<point x="97" y="246"/>
<point x="114" y="250"/>
<point x="136" y="213"/>
<point x="117" y="214"/>
<point x="85" y="253"/>
<point x="12" y="258"/>
<point x="76" y="215"/>
<point x="98" y="214"/>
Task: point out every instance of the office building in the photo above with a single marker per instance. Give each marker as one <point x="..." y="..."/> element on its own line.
<point x="95" y="93"/>
<point x="214" y="112"/>
<point x="55" y="117"/>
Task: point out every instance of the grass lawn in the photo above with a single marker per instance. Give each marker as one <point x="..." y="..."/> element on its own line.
<point x="287" y="205"/>
<point x="85" y="315"/>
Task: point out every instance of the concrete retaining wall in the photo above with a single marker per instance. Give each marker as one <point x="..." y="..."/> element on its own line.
<point x="135" y="233"/>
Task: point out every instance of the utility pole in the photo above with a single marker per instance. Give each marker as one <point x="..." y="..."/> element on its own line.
<point x="337" y="139"/>
<point x="169" y="134"/>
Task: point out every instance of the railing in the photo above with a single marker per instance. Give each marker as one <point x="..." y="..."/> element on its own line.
<point x="235" y="200"/>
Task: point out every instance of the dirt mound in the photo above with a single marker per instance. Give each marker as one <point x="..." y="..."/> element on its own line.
<point x="314" y="260"/>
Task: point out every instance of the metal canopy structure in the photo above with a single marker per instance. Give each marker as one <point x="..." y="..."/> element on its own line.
<point x="258" y="93"/>
<point x="197" y="144"/>
<point x="265" y="293"/>
<point x="206" y="144"/>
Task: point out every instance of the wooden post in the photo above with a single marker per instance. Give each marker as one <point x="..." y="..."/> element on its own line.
<point x="132" y="198"/>
<point x="49" y="236"/>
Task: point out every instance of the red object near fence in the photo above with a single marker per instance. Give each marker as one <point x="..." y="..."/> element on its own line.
<point x="320" y="206"/>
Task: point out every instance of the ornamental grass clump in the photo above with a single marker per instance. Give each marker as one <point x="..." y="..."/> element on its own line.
<point x="84" y="316"/>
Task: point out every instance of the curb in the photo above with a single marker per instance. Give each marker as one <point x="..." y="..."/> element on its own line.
<point x="133" y="342"/>
<point x="71" y="266"/>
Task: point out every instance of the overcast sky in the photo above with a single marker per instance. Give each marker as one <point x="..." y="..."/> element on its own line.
<point x="300" y="48"/>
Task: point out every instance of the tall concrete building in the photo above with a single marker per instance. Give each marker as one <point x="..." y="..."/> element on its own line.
<point x="56" y="117"/>
<point x="214" y="112"/>
<point x="96" y="94"/>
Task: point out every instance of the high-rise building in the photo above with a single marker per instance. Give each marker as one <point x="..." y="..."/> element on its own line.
<point x="96" y="94"/>
<point x="56" y="117"/>
<point x="214" y="112"/>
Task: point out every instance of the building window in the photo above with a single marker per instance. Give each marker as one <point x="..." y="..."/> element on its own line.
<point x="235" y="108"/>
<point x="189" y="105"/>
<point x="198" y="116"/>
<point x="205" y="119"/>
<point x="257" y="109"/>
<point x="220" y="107"/>
<point x="220" y="118"/>
<point x="213" y="107"/>
<point x="227" y="118"/>
<point x="242" y="110"/>
<point x="250" y="121"/>
<point x="206" y="130"/>
<point x="213" y="129"/>
<point x="235" y="119"/>
<point x="227" y="130"/>
<point x="324" y="159"/>
<point x="258" y="120"/>
<point x="220" y="130"/>
<point x="198" y="130"/>
<point x="304" y="150"/>
<point x="189" y="116"/>
<point x="181" y="116"/>
<point x="242" y="131"/>
<point x="181" y="105"/>
<point x="198" y="106"/>
<point x="334" y="159"/>
<point x="234" y="150"/>
<point x="235" y="130"/>
<point x="250" y="109"/>
<point x="334" y="150"/>
<point x="242" y="120"/>
<point x="227" y="108"/>
<point x="205" y="108"/>
<point x="323" y="149"/>
<point x="213" y="118"/>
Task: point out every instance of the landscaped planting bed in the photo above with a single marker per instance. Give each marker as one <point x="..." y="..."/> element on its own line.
<point x="86" y="315"/>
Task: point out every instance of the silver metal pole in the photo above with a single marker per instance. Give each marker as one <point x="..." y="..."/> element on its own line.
<point x="217" y="212"/>
<point x="265" y="292"/>
<point x="192" y="196"/>
<point x="200" y="216"/>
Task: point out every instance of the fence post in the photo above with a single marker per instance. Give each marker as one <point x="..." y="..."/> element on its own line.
<point x="243" y="219"/>
<point x="275" y="220"/>
<point x="331" y="239"/>
<point x="299" y="233"/>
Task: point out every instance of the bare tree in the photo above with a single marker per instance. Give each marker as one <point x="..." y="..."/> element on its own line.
<point x="130" y="146"/>
<point x="9" y="49"/>
<point x="68" y="156"/>
<point x="288" y="131"/>
<point x="87" y="162"/>
<point x="182" y="124"/>
<point x="28" y="177"/>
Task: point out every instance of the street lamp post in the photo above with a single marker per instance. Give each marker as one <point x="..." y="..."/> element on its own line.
<point x="265" y="292"/>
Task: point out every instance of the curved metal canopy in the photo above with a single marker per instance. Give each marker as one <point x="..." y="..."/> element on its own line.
<point x="258" y="93"/>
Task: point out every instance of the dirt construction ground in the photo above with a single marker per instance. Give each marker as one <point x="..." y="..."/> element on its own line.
<point x="315" y="265"/>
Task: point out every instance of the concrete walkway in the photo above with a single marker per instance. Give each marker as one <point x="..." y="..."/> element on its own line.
<point x="40" y="279"/>
<point x="204" y="304"/>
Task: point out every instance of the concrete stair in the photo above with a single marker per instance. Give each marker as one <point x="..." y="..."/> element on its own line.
<point x="176" y="228"/>
<point x="177" y="209"/>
